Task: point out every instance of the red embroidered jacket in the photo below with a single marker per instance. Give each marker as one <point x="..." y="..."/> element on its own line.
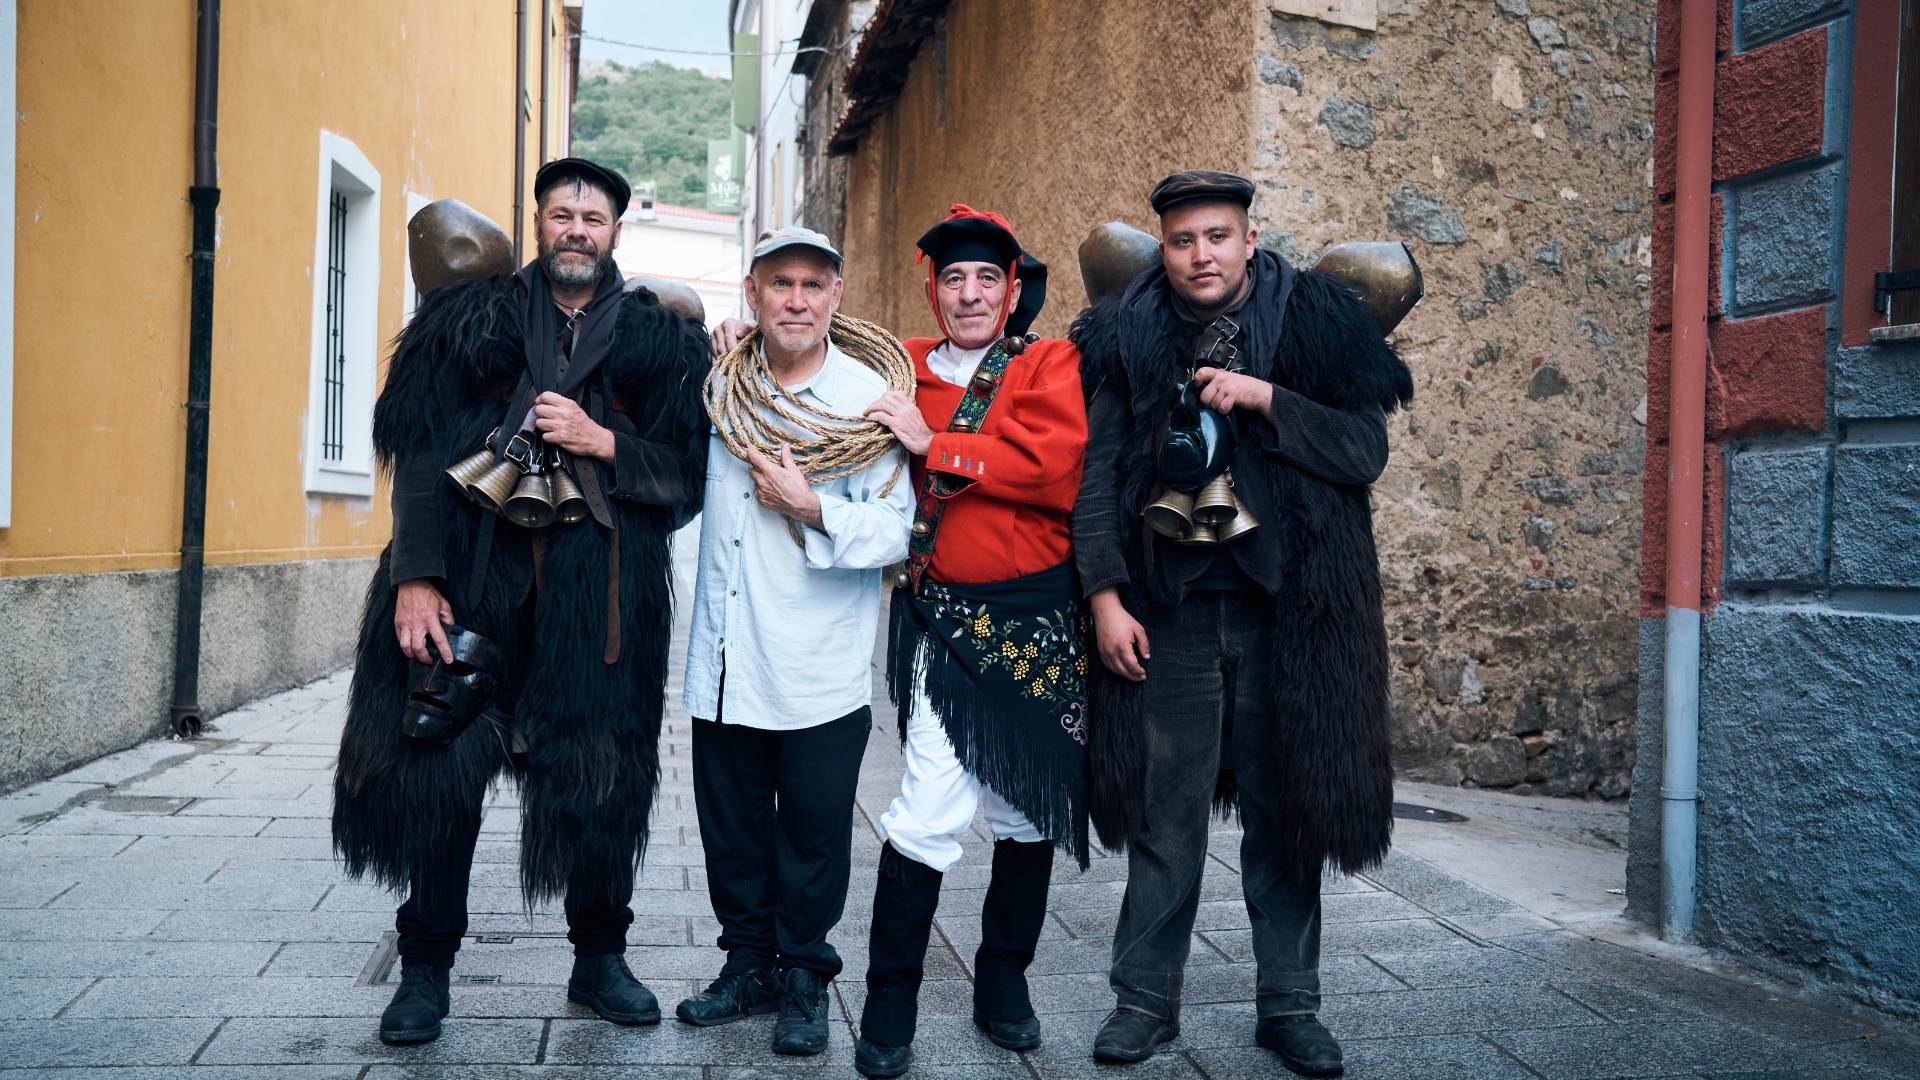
<point x="1024" y="465"/>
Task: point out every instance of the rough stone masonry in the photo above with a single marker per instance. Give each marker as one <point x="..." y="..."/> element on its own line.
<point x="1508" y="142"/>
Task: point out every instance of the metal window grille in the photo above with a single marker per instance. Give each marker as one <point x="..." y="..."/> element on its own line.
<point x="334" y="421"/>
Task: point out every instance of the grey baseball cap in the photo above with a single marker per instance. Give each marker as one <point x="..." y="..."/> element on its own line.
<point x="791" y="236"/>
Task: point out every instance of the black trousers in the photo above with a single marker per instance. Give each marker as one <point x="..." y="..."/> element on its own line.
<point x="434" y="918"/>
<point x="776" y="820"/>
<point x="1207" y="710"/>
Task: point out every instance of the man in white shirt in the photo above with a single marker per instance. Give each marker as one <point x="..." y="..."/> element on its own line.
<point x="779" y="679"/>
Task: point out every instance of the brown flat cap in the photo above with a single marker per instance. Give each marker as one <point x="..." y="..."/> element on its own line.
<point x="1201" y="184"/>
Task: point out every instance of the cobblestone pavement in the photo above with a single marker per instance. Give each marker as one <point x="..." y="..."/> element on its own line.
<point x="174" y="911"/>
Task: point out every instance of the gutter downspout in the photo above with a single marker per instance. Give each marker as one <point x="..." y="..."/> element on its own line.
<point x="519" y="123"/>
<point x="185" y="716"/>
<point x="1686" y="453"/>
<point x="546" y="43"/>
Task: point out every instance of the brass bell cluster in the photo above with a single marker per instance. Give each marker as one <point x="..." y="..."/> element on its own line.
<point x="1215" y="515"/>
<point x="526" y="484"/>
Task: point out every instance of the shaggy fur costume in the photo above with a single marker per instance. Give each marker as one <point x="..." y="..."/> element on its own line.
<point x="591" y="728"/>
<point x="1328" y="689"/>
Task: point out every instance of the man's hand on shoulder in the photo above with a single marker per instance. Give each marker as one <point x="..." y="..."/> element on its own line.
<point x="781" y="486"/>
<point x="901" y="416"/>
<point x="1224" y="391"/>
<point x="566" y="425"/>
<point x="726" y="337"/>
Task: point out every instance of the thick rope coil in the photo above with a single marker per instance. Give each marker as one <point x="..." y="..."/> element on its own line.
<point x="749" y="407"/>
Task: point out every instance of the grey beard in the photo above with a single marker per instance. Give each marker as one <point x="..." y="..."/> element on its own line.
<point x="573" y="274"/>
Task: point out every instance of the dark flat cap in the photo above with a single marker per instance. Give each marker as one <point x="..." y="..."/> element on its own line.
<point x="1201" y="184"/>
<point x="573" y="168"/>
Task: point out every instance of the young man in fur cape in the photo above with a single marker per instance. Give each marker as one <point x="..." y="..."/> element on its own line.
<point x="988" y="653"/>
<point x="605" y="385"/>
<point x="1249" y="673"/>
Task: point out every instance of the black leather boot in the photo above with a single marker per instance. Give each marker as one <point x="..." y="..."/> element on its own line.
<point x="1010" y="924"/>
<point x="414" y="1014"/>
<point x="802" y="1027"/>
<point x="732" y="997"/>
<point x="606" y="985"/>
<point x="1129" y="1035"/>
<point x="903" y="905"/>
<point x="1304" y="1044"/>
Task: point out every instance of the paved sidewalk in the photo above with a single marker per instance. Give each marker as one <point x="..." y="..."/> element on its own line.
<point x="173" y="911"/>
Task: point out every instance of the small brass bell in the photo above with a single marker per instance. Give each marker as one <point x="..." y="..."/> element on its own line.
<point x="1216" y="504"/>
<point x="921" y="528"/>
<point x="569" y="502"/>
<point x="495" y="486"/>
<point x="902" y="580"/>
<point x="962" y="424"/>
<point x="1201" y="536"/>
<point x="1242" y="524"/>
<point x="1171" y="515"/>
<point x="531" y="506"/>
<point x="467" y="470"/>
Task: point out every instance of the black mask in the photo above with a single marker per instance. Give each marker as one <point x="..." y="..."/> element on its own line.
<point x="1196" y="444"/>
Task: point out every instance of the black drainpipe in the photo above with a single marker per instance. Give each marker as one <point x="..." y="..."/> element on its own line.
<point x="205" y="196"/>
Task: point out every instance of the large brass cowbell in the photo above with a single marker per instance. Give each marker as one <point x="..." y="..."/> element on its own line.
<point x="1214" y="516"/>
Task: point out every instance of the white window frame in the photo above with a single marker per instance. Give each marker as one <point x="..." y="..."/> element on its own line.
<point x="343" y="167"/>
<point x="408" y="292"/>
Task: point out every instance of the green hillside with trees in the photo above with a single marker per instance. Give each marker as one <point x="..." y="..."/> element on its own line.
<point x="652" y="122"/>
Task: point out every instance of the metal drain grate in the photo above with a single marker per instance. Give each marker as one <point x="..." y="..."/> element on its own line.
<point x="141" y="804"/>
<point x="1413" y="812"/>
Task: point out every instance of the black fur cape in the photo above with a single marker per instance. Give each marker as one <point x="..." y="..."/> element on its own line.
<point x="1328" y="691"/>
<point x="591" y="728"/>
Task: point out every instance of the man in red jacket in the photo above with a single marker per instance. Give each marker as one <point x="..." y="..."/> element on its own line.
<point x="988" y="652"/>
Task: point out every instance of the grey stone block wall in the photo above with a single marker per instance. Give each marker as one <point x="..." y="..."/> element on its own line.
<point x="1643" y="806"/>
<point x="1877" y="381"/>
<point x="86" y="662"/>
<point x="1876" y="516"/>
<point x="1776" y="520"/>
<point x="1783" y="241"/>
<point x="1809" y="746"/>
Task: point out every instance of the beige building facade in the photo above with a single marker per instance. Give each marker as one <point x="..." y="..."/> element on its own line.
<point x="1507" y="143"/>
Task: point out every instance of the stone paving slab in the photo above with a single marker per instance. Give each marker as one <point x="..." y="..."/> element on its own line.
<point x="175" y="912"/>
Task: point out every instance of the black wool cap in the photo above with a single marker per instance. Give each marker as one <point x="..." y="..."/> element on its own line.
<point x="1196" y="184"/>
<point x="969" y="239"/>
<point x="1032" y="275"/>
<point x="572" y="168"/>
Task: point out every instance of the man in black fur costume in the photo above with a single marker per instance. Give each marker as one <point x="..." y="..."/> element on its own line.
<point x="1267" y="688"/>
<point x="556" y="361"/>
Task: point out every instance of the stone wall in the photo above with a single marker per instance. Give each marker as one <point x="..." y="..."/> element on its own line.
<point x="1810" y="651"/>
<point x="1509" y="145"/>
<point x="86" y="663"/>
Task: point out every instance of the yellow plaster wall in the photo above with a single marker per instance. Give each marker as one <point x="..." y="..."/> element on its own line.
<point x="1060" y="114"/>
<point x="102" y="227"/>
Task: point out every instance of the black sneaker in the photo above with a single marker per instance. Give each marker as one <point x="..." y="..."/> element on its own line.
<point x="802" y="1027"/>
<point x="1304" y="1044"/>
<point x="881" y="1062"/>
<point x="606" y="985"/>
<point x="1129" y="1035"/>
<point x="732" y="997"/>
<point x="414" y="1014"/>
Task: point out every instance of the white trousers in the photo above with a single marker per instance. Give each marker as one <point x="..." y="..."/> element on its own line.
<point x="938" y="797"/>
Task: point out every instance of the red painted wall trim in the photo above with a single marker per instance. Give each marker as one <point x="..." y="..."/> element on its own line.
<point x="1876" y="69"/>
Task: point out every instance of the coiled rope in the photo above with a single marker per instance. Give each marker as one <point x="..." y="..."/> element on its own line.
<point x="749" y="407"/>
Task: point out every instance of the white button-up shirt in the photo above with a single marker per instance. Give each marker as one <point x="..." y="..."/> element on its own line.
<point x="791" y="629"/>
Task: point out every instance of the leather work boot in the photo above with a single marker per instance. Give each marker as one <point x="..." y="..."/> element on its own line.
<point x="732" y="997"/>
<point x="414" y="1014"/>
<point x="1010" y="923"/>
<point x="1129" y="1035"/>
<point x="1304" y="1044"/>
<point x="606" y="985"/>
<point x="881" y="1062"/>
<point x="802" y="1027"/>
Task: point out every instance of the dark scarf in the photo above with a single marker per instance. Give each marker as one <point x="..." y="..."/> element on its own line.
<point x="1143" y="323"/>
<point x="1004" y="665"/>
<point x="542" y="322"/>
